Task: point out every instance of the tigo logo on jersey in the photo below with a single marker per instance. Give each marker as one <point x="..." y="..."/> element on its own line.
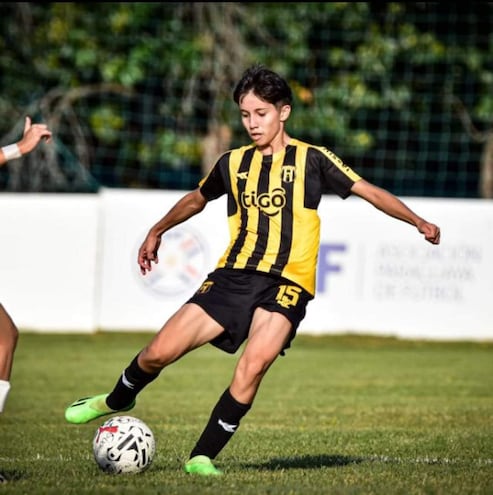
<point x="269" y="203"/>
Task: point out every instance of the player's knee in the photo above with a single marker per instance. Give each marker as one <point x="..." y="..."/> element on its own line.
<point x="151" y="361"/>
<point x="252" y="369"/>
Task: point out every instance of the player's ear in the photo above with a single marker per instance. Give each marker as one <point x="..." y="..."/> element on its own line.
<point x="285" y="112"/>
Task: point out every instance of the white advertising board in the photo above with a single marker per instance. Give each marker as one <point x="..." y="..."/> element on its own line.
<point x="48" y="259"/>
<point x="69" y="263"/>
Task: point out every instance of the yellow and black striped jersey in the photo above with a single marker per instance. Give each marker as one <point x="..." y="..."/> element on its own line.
<point x="272" y="206"/>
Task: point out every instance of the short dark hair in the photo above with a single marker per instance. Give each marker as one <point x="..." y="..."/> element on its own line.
<point x="266" y="84"/>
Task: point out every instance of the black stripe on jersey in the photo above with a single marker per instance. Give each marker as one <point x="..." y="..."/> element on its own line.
<point x="313" y="179"/>
<point x="244" y="167"/>
<point x="287" y="214"/>
<point x="263" y="220"/>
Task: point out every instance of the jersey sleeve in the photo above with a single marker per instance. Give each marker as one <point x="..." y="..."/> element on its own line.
<point x="336" y="176"/>
<point x="213" y="185"/>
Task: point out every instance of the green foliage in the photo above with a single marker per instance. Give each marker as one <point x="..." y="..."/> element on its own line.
<point x="347" y="415"/>
<point x="107" y="123"/>
<point x="352" y="65"/>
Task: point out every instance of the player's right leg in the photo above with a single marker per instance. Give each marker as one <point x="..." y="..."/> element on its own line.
<point x="190" y="327"/>
<point x="268" y="335"/>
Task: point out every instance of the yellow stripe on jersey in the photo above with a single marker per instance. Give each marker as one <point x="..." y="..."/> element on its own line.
<point x="306" y="234"/>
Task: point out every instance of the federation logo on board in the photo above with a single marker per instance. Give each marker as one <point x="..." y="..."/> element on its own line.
<point x="183" y="263"/>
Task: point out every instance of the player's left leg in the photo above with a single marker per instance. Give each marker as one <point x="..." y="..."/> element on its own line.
<point x="268" y="335"/>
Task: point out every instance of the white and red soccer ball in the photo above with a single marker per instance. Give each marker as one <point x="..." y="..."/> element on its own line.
<point x="124" y="444"/>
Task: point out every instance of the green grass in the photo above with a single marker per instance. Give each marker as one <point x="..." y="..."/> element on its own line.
<point x="336" y="415"/>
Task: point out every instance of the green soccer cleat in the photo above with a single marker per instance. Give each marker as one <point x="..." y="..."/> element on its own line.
<point x="201" y="464"/>
<point x="89" y="408"/>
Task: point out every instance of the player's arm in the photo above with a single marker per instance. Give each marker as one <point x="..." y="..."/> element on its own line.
<point x="394" y="207"/>
<point x="33" y="134"/>
<point x="188" y="206"/>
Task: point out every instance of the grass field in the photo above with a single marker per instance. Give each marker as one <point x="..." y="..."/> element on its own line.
<point x="336" y="415"/>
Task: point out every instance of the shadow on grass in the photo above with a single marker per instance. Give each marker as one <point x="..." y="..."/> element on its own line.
<point x="306" y="462"/>
<point x="6" y="476"/>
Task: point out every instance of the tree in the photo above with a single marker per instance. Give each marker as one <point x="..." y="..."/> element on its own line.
<point x="133" y="91"/>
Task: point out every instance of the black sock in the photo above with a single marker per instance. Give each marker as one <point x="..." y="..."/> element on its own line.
<point x="223" y="422"/>
<point x="131" y="382"/>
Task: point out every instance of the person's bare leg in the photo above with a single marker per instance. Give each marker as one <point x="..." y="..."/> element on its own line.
<point x="268" y="335"/>
<point x="9" y="336"/>
<point x="190" y="327"/>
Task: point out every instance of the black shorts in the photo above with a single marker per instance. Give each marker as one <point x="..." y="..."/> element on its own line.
<point x="231" y="296"/>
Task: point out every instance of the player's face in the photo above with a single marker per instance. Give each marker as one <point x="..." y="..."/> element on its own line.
<point x="263" y="121"/>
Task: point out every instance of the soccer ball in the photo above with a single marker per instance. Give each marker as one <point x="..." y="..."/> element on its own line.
<point x="123" y="444"/>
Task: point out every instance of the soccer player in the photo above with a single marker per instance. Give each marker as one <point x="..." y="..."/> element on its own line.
<point x="262" y="284"/>
<point x="9" y="334"/>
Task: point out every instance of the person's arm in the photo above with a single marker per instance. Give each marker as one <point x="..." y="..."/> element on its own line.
<point x="33" y="134"/>
<point x="394" y="207"/>
<point x="188" y="206"/>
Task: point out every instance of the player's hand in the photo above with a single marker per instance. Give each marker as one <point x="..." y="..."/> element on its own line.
<point x="148" y="252"/>
<point x="431" y="232"/>
<point x="33" y="133"/>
